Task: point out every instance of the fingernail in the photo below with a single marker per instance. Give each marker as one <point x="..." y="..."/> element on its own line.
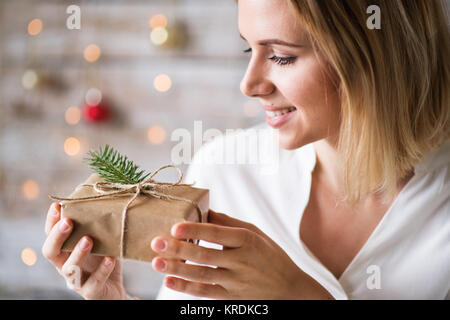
<point x="160" y="264"/>
<point x="170" y="282"/>
<point x="84" y="244"/>
<point x="64" y="226"/>
<point x="107" y="262"/>
<point x="160" y="245"/>
<point x="54" y="211"/>
<point x="177" y="230"/>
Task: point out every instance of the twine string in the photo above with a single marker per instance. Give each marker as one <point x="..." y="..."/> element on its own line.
<point x="148" y="187"/>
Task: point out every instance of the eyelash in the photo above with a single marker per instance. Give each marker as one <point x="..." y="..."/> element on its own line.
<point x="278" y="60"/>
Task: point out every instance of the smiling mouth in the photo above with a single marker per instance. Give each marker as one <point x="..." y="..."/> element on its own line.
<point x="280" y="112"/>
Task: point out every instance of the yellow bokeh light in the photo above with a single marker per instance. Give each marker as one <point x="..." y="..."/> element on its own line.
<point x="162" y="83"/>
<point x="30" y="189"/>
<point x="73" y="115"/>
<point x="159" y="36"/>
<point x="72" y="146"/>
<point x="29" y="79"/>
<point x="35" y="27"/>
<point x="156" y="134"/>
<point x="158" y="21"/>
<point x="92" y="53"/>
<point x="29" y="256"/>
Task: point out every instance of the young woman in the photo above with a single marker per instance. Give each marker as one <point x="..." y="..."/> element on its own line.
<point x="360" y="205"/>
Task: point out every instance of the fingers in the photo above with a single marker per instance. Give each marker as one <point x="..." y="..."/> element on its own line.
<point x="71" y="270"/>
<point x="225" y="220"/>
<point x="197" y="289"/>
<point x="182" y="250"/>
<point x="53" y="216"/>
<point x="197" y="273"/>
<point x="51" y="249"/>
<point x="79" y="253"/>
<point x="230" y="237"/>
<point x="96" y="282"/>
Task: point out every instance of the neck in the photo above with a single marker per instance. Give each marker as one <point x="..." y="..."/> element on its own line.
<point x="328" y="168"/>
<point x="328" y="163"/>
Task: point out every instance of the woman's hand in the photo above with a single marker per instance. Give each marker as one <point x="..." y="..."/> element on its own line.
<point x="250" y="266"/>
<point x="93" y="277"/>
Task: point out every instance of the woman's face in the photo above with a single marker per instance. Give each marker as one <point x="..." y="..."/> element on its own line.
<point x="287" y="78"/>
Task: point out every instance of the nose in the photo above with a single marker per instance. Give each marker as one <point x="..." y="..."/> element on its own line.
<point x="255" y="83"/>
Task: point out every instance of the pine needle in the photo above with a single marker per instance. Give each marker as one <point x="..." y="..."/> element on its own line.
<point x="114" y="167"/>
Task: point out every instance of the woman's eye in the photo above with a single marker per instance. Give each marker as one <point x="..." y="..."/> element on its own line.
<point x="282" y="61"/>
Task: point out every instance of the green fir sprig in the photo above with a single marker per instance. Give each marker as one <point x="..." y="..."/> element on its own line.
<point x="114" y="167"/>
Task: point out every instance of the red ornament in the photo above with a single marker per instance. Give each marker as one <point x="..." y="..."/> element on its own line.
<point x="95" y="113"/>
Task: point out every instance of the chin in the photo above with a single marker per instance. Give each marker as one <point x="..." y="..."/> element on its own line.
<point x="295" y="138"/>
<point x="288" y="146"/>
<point x="289" y="142"/>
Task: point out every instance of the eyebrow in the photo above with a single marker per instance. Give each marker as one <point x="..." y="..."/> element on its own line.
<point x="275" y="41"/>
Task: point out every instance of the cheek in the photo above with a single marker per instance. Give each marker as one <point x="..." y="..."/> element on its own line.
<point x="311" y="90"/>
<point x="308" y="88"/>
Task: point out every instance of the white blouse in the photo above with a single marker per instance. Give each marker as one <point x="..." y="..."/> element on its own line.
<point x="407" y="256"/>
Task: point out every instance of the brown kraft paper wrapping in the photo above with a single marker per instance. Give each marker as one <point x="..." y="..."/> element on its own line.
<point x="147" y="217"/>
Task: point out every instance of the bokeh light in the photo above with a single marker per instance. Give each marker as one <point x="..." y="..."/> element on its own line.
<point x="93" y="96"/>
<point x="162" y="83"/>
<point x="35" y="27"/>
<point x="29" y="256"/>
<point x="73" y="115"/>
<point x="158" y="21"/>
<point x="92" y="53"/>
<point x="159" y="36"/>
<point x="29" y="79"/>
<point x="72" y="146"/>
<point x="30" y="189"/>
<point x="156" y="134"/>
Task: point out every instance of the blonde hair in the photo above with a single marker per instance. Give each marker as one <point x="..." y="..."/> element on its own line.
<point x="394" y="84"/>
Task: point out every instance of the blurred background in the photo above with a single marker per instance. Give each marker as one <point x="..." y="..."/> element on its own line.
<point x="133" y="72"/>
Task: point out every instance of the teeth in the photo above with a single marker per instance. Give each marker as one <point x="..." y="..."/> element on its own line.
<point x="279" y="112"/>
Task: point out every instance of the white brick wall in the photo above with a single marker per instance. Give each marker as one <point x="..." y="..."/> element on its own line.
<point x="205" y="85"/>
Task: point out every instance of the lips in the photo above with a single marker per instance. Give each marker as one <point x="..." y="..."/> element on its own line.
<point x="277" y="117"/>
<point x="279" y="112"/>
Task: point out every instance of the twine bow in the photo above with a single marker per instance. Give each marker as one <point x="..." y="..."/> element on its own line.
<point x="148" y="187"/>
